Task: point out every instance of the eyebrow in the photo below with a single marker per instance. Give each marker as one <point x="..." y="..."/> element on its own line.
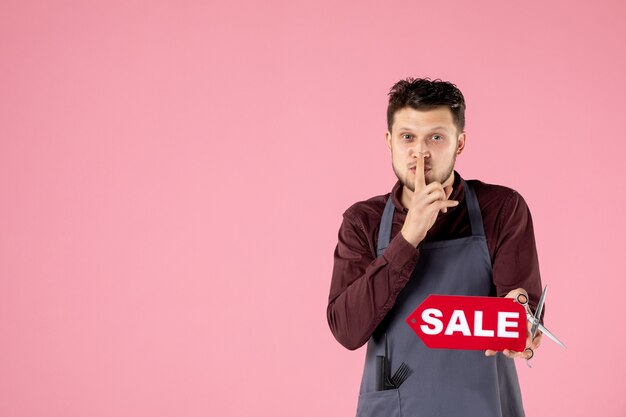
<point x="430" y="130"/>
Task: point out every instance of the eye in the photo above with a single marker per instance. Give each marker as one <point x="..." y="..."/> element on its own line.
<point x="406" y="136"/>
<point x="437" y="138"/>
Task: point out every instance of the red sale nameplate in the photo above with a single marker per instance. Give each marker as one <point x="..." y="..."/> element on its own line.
<point x="472" y="323"/>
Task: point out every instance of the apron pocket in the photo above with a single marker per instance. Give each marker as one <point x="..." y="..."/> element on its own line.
<point x="379" y="404"/>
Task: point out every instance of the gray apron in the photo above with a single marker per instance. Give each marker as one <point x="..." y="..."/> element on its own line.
<point x="444" y="382"/>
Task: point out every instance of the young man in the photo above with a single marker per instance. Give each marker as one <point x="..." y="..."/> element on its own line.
<point x="435" y="233"/>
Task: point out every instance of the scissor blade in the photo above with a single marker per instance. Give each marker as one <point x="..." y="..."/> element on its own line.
<point x="539" y="310"/>
<point x="541" y="301"/>
<point x="551" y="336"/>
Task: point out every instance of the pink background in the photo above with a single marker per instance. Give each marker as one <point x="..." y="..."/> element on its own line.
<point x="173" y="174"/>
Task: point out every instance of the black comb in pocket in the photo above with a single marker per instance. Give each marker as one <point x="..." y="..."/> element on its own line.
<point x="383" y="370"/>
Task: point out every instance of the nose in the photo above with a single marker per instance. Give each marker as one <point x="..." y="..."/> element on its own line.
<point x="419" y="147"/>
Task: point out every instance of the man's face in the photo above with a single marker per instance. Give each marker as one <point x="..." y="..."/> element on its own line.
<point x="431" y="132"/>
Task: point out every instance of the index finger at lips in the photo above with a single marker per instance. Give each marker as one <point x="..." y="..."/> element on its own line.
<point x="420" y="181"/>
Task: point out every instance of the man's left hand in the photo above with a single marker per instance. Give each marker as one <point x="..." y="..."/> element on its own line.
<point x="533" y="345"/>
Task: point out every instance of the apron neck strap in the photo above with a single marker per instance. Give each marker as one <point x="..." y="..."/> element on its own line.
<point x="384" y="233"/>
<point x="473" y="209"/>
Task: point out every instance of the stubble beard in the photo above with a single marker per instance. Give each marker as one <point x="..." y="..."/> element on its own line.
<point x="410" y="184"/>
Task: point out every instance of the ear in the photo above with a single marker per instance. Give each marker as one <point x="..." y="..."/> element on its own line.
<point x="460" y="143"/>
<point x="388" y="139"/>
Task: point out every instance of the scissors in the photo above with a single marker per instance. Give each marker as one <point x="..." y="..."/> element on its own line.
<point x="533" y="319"/>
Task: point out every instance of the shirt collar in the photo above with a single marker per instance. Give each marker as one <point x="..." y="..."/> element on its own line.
<point x="457" y="192"/>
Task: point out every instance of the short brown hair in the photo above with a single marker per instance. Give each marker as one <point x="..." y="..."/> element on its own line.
<point x="426" y="94"/>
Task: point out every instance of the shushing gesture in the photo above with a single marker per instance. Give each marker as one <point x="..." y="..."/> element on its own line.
<point x="425" y="204"/>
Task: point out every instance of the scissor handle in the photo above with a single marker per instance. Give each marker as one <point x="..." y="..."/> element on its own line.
<point x="532" y="353"/>
<point x="522" y="299"/>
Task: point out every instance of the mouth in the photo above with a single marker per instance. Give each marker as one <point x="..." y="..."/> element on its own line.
<point x="413" y="169"/>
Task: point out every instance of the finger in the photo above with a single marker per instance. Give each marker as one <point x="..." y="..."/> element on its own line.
<point x="436" y="190"/>
<point x="444" y="208"/>
<point x="420" y="180"/>
<point x="439" y="204"/>
<point x="526" y="354"/>
<point x="536" y="342"/>
<point x="427" y="196"/>
<point x="512" y="353"/>
<point x="490" y="352"/>
<point x="514" y="293"/>
<point x="434" y="186"/>
<point x="433" y="205"/>
<point x="533" y="342"/>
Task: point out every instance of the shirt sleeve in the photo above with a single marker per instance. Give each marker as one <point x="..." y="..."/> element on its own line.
<point x="515" y="259"/>
<point x="364" y="288"/>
